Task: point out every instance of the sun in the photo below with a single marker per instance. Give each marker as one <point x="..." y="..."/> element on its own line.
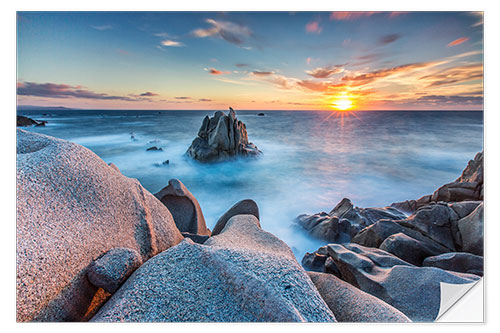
<point x="342" y="104"/>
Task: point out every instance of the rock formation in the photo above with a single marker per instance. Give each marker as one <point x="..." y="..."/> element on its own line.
<point x="184" y="208"/>
<point x="221" y="137"/>
<point x="350" y="304"/>
<point x="242" y="207"/>
<point x="458" y="262"/>
<point x="243" y="274"/>
<point x="415" y="291"/>
<point x="23" y="121"/>
<point x="344" y="221"/>
<point x="73" y="208"/>
<point x="469" y="186"/>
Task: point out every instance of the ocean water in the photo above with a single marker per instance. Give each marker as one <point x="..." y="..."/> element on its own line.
<point x="311" y="160"/>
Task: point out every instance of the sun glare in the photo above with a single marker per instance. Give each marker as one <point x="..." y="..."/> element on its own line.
<point x="342" y="104"/>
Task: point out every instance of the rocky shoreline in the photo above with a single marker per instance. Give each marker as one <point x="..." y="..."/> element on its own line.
<point x="94" y="245"/>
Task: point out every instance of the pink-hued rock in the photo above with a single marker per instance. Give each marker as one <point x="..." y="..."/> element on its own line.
<point x="71" y="209"/>
<point x="184" y="208"/>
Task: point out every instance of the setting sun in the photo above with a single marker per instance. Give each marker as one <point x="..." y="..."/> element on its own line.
<point x="342" y="104"/>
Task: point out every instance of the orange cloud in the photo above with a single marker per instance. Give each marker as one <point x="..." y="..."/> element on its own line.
<point x="458" y="41"/>
<point x="362" y="79"/>
<point x="458" y="74"/>
<point x="217" y="72"/>
<point x="349" y="15"/>
<point x="313" y="27"/>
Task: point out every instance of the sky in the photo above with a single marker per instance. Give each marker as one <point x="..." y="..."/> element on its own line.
<point x="251" y="60"/>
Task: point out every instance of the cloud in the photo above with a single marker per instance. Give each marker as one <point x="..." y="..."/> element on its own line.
<point x="229" y="31"/>
<point x="324" y="72"/>
<point x="369" y="77"/>
<point x="313" y="27"/>
<point x="459" y="74"/>
<point x="54" y="90"/>
<point x="458" y="41"/>
<point x="451" y="99"/>
<point x="216" y="71"/>
<point x="148" y="94"/>
<point x="182" y="97"/>
<point x="171" y="43"/>
<point x="242" y="65"/>
<point x="349" y="15"/>
<point x="387" y="39"/>
<point x="102" y="27"/>
<point x="262" y="73"/>
<point x="204" y="100"/>
<point x="480" y="16"/>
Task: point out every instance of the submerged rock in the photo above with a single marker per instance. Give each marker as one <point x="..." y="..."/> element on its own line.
<point x="243" y="274"/>
<point x="72" y="208"/>
<point x="350" y="304"/>
<point x="415" y="291"/>
<point x="221" y="137"/>
<point x="154" y="148"/>
<point x="184" y="208"/>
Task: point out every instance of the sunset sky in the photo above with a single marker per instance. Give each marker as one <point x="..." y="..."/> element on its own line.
<point x="253" y="61"/>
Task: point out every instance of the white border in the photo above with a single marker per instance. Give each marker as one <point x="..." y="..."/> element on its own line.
<point x="492" y="110"/>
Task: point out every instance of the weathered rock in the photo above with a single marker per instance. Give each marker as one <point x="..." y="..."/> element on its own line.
<point x="434" y="221"/>
<point x="314" y="262"/>
<point x="243" y="274"/>
<point x="464" y="208"/>
<point x="344" y="221"/>
<point x="184" y="208"/>
<point x="71" y="209"/>
<point x="458" y="262"/>
<point x="221" y="137"/>
<point x="113" y="268"/>
<point x="114" y="167"/>
<point x="471" y="231"/>
<point x="469" y="186"/>
<point x="415" y="291"/>
<point x="377" y="233"/>
<point x="407" y="248"/>
<point x="350" y="304"/>
<point x="242" y="207"/>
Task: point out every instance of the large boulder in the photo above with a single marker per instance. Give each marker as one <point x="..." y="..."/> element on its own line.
<point x="72" y="208"/>
<point x="350" y="304"/>
<point x="184" y="208"/>
<point x="409" y="249"/>
<point x="471" y="231"/>
<point x="436" y="222"/>
<point x="242" y="207"/>
<point x="221" y="137"/>
<point x="345" y="220"/>
<point x="458" y="262"/>
<point x="415" y="291"/>
<point x="243" y="274"/>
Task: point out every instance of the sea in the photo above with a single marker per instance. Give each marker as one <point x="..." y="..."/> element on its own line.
<point x="310" y="161"/>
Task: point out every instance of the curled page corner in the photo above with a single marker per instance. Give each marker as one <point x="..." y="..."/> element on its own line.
<point x="451" y="294"/>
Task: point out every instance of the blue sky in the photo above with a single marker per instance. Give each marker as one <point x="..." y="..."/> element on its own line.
<point x="251" y="60"/>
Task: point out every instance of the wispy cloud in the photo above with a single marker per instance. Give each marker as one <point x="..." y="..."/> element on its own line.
<point x="458" y="41"/>
<point x="349" y="15"/>
<point x="242" y="65"/>
<point x="453" y="75"/>
<point x="324" y="72"/>
<point x="53" y="90"/>
<point x="262" y="73"/>
<point x="204" y="100"/>
<point x="182" y="97"/>
<point x="229" y="31"/>
<point x="148" y="94"/>
<point x="313" y="27"/>
<point x="102" y="27"/>
<point x="214" y="71"/>
<point x="171" y="43"/>
<point x="387" y="39"/>
<point x="480" y="16"/>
